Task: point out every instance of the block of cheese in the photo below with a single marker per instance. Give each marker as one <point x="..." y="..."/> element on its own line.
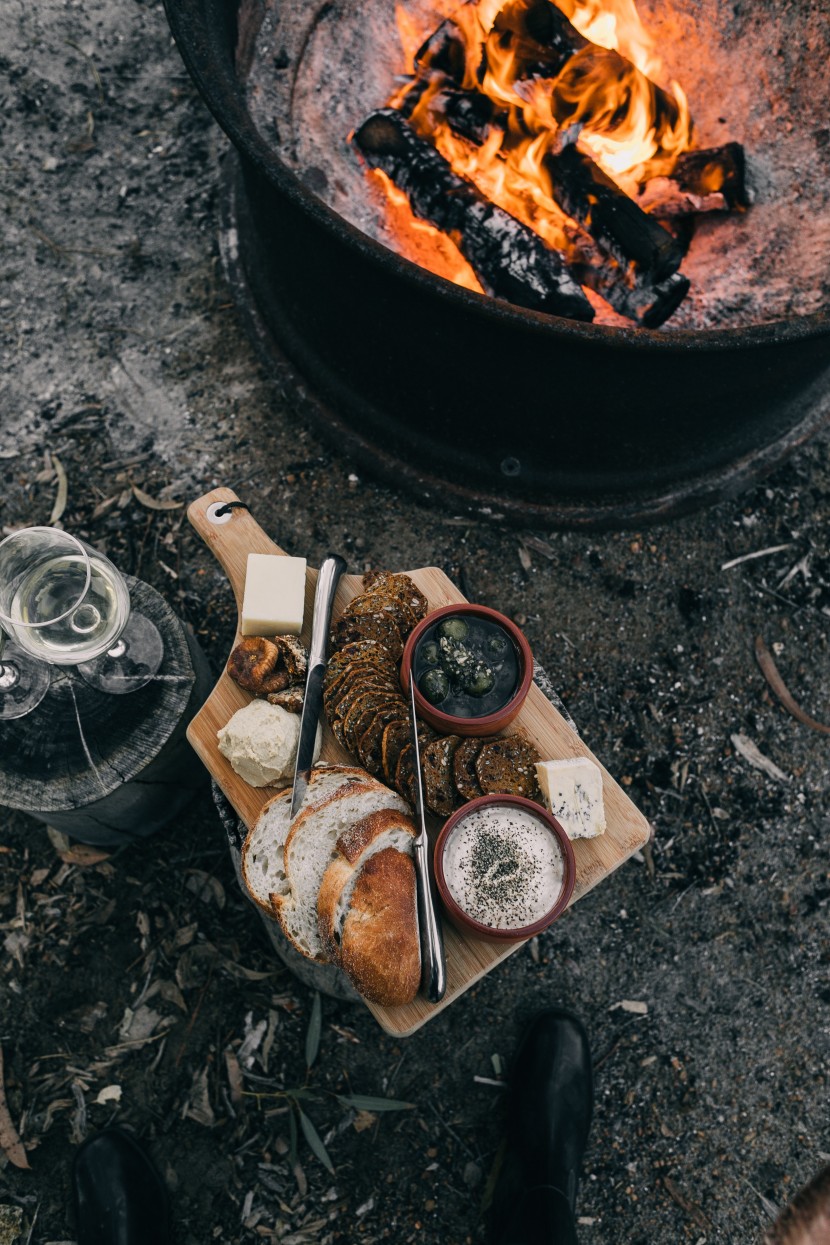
<point x="572" y="791"/>
<point x="274" y="596"/>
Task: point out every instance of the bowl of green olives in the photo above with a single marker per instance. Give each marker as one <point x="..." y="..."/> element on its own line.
<point x="472" y="668"/>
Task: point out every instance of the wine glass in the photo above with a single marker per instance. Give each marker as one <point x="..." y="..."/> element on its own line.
<point x="23" y="681"/>
<point x="65" y="603"/>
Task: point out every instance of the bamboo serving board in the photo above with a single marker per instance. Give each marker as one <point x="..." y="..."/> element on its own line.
<point x="468" y="958"/>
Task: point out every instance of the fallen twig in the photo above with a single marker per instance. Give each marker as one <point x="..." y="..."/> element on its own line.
<point x="10" y="1142"/>
<point x="772" y="675"/>
<point x="759" y="553"/>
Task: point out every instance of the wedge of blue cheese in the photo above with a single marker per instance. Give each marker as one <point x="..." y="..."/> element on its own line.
<point x="572" y="791"/>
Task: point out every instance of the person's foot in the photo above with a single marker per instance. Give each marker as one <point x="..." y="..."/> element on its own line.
<point x="120" y="1199"/>
<point x="549" y="1118"/>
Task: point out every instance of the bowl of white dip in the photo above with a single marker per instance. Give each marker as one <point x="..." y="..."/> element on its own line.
<point x="504" y="868"/>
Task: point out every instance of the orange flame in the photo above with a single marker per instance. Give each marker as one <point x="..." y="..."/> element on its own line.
<point x="608" y="96"/>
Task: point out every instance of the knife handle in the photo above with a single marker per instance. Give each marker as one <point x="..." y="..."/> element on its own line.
<point x="327" y="579"/>
<point x="434" y="967"/>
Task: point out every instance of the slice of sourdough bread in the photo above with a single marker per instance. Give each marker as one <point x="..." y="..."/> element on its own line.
<point x="263" y="869"/>
<point x="379" y="947"/>
<point x="359" y="842"/>
<point x="309" y="849"/>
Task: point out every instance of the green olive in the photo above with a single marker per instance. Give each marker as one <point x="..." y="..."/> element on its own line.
<point x="497" y="644"/>
<point x="434" y="686"/>
<point x="429" y="653"/>
<point x="481" y="682"/>
<point x="453" y="628"/>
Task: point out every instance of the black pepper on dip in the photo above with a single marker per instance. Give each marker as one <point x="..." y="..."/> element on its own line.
<point x="472" y="669"/>
<point x="504" y="868"/>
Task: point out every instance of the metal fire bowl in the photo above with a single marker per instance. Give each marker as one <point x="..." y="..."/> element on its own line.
<point x="462" y="399"/>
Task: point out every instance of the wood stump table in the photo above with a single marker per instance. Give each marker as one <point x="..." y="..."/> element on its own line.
<point x="110" y="769"/>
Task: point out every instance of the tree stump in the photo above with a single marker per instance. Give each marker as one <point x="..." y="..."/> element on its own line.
<point x="110" y="769"/>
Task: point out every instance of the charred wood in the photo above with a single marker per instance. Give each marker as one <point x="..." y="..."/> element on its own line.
<point x="444" y="52"/>
<point x="709" y="180"/>
<point x="648" y="302"/>
<point x="471" y="115"/>
<point x="510" y="260"/>
<point x="617" y="224"/>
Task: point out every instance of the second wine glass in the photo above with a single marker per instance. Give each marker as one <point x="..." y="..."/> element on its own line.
<point x="64" y="603"/>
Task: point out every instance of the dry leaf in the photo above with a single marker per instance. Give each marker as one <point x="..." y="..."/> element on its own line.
<point x="105" y="506"/>
<point x="154" y="503"/>
<point x="234" y="1076"/>
<point x="84" y="856"/>
<point x="58" y="839"/>
<point x="62" y="493"/>
<point x="198" y="1106"/>
<point x="110" y="1093"/>
<point x="246" y="974"/>
<point x="138" y="1025"/>
<point x="753" y="754"/>
<point x="773" y="676"/>
<point x="206" y="887"/>
<point x="10" y="1142"/>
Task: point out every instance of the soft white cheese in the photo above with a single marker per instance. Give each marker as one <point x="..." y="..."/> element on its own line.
<point x="274" y="596"/>
<point x="572" y="790"/>
<point x="260" y="741"/>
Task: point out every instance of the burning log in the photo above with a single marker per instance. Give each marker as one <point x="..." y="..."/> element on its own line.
<point x="510" y="260"/>
<point x="648" y="302"/>
<point x="443" y="52"/>
<point x="614" y="220"/>
<point x="710" y="180"/>
<point x="544" y="44"/>
<point x="470" y="114"/>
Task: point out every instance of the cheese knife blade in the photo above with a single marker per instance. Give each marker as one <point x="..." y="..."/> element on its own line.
<point x="327" y="579"/>
<point x="433" y="963"/>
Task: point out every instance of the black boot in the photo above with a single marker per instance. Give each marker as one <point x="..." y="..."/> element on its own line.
<point x="120" y="1199"/>
<point x="549" y="1117"/>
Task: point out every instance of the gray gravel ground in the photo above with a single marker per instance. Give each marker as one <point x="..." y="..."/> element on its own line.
<point x="121" y="346"/>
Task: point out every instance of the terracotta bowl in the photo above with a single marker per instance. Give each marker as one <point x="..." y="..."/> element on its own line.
<point x="459" y="917"/>
<point x="487" y="724"/>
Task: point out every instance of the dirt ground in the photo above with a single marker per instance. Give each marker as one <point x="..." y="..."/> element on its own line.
<point x="142" y="988"/>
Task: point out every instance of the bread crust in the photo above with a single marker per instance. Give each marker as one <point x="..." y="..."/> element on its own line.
<point x="352" y="845"/>
<point x="379" y="948"/>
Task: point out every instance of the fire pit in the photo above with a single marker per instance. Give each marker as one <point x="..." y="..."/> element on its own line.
<point x="497" y="408"/>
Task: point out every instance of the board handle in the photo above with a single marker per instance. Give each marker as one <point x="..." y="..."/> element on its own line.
<point x="231" y="532"/>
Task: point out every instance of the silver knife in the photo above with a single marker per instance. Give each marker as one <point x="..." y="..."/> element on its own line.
<point x="327" y="579"/>
<point x="433" y="963"/>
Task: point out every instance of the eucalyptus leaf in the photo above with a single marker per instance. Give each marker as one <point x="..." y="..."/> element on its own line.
<point x="364" y="1102"/>
<point x="315" y="1026"/>
<point x="314" y="1140"/>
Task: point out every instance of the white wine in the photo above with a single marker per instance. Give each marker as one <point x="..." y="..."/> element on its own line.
<point x="49" y="590"/>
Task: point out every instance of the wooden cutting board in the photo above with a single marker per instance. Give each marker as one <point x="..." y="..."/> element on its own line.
<point x="468" y="959"/>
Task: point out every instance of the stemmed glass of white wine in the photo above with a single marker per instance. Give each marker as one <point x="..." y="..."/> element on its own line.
<point x="23" y="681"/>
<point x="63" y="603"/>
